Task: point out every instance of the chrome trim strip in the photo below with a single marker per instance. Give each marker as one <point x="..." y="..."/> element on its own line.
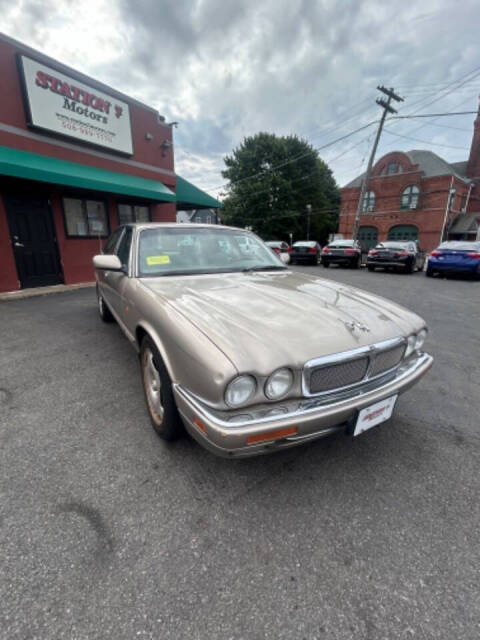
<point x="345" y="356"/>
<point x="230" y="426"/>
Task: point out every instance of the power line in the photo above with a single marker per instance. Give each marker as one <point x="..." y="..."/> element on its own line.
<point x="431" y="121"/>
<point x="437" y="144"/>
<point x="387" y="108"/>
<point x="433" y="115"/>
<point x="298" y="157"/>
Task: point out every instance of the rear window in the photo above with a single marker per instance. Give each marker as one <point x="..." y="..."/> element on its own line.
<point x="304" y="244"/>
<point x="339" y="244"/>
<point x="393" y="245"/>
<point x="457" y="245"/>
<point x="272" y="244"/>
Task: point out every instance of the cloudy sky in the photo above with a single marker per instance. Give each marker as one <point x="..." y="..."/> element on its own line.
<point x="226" y="69"/>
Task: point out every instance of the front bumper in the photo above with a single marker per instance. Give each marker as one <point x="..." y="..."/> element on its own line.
<point x="313" y="417"/>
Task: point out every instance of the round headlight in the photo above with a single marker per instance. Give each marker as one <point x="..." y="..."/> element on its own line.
<point x="278" y="384"/>
<point x="240" y="390"/>
<point x="421" y="337"/>
<point x="411" y="342"/>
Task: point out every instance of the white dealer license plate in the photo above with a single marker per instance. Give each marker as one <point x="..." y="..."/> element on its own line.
<point x="374" y="414"/>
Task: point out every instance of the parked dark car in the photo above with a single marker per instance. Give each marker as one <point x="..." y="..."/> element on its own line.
<point x="305" y="251"/>
<point x="455" y="257"/>
<point x="342" y="252"/>
<point x="397" y="255"/>
<point x="279" y="248"/>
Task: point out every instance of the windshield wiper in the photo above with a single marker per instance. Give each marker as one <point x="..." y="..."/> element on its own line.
<point x="264" y="268"/>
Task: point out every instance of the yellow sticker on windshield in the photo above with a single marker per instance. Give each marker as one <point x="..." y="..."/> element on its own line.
<point x="153" y="260"/>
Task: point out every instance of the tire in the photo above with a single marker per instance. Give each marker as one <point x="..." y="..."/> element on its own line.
<point x="103" y="311"/>
<point x="326" y="264"/>
<point x="356" y="264"/>
<point x="370" y="267"/>
<point x="429" y="272"/>
<point x="157" y="388"/>
<point x="292" y="261"/>
<point x="410" y="267"/>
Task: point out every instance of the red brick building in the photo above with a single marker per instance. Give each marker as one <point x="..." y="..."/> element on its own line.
<point x="76" y="159"/>
<point x="417" y="194"/>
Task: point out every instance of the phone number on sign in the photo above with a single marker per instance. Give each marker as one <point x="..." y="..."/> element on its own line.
<point x="87" y="132"/>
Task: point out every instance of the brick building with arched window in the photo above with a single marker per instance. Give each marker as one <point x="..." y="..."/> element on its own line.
<point x="417" y="195"/>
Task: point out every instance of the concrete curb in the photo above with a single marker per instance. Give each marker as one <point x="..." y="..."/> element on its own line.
<point x="43" y="291"/>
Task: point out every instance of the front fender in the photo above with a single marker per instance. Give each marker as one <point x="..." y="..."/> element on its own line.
<point x="190" y="357"/>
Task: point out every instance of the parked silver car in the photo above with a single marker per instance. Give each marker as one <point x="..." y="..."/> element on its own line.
<point x="247" y="355"/>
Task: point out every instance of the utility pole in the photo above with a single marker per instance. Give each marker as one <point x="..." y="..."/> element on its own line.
<point x="386" y="109"/>
<point x="451" y="194"/>
<point x="309" y="213"/>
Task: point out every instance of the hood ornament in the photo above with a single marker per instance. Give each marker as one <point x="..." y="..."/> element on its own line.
<point x="353" y="324"/>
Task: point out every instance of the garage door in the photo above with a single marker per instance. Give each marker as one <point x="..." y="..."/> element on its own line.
<point x="403" y="232"/>
<point x="368" y="237"/>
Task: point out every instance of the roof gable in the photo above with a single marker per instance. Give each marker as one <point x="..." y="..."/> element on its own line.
<point x="429" y="163"/>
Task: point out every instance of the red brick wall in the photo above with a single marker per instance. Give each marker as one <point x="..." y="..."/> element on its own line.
<point x="143" y="120"/>
<point x="429" y="215"/>
<point x="8" y="271"/>
<point x="76" y="253"/>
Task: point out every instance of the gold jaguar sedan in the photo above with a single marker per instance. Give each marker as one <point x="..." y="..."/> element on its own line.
<point x="247" y="355"/>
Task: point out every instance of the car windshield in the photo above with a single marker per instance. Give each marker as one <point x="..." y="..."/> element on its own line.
<point x="457" y="245"/>
<point x="166" y="251"/>
<point x="393" y="245"/>
<point x="338" y="244"/>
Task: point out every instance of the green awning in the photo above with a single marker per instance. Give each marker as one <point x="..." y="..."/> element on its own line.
<point x="191" y="197"/>
<point x="32" y="166"/>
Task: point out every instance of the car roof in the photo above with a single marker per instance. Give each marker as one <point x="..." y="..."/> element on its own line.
<point x="182" y="225"/>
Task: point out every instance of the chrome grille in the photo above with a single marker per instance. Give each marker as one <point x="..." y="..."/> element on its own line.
<point x="338" y="375"/>
<point x="386" y="360"/>
<point x="352" y="368"/>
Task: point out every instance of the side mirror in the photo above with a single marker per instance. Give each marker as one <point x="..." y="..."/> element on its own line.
<point x="107" y="262"/>
<point x="284" y="257"/>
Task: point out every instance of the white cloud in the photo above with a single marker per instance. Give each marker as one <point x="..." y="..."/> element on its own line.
<point x="226" y="70"/>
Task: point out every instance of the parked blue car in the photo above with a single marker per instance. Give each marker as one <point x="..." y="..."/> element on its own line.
<point x="455" y="257"/>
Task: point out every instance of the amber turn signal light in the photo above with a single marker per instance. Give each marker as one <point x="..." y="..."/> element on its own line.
<point x="199" y="424"/>
<point x="272" y="435"/>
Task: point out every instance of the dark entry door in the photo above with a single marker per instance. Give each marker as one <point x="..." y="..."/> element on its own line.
<point x="33" y="241"/>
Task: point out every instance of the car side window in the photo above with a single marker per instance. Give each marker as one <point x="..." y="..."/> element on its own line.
<point x="123" y="251"/>
<point x="111" y="243"/>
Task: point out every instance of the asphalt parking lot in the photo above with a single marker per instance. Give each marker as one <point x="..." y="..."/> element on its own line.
<point x="107" y="532"/>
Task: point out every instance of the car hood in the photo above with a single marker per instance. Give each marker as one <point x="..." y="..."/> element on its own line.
<point x="262" y="321"/>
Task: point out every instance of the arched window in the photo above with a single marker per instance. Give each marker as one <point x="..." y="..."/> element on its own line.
<point x="368" y="201"/>
<point x="391" y="168"/>
<point x="409" y="198"/>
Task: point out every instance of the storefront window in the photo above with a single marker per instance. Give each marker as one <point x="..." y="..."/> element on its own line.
<point x="85" y="218"/>
<point x="133" y="213"/>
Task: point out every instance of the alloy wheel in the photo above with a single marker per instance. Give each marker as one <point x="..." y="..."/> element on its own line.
<point x="153" y="386"/>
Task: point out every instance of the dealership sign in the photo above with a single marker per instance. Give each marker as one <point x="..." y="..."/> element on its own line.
<point x="58" y="103"/>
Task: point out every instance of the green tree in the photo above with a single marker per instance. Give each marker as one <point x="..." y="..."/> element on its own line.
<point x="271" y="181"/>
